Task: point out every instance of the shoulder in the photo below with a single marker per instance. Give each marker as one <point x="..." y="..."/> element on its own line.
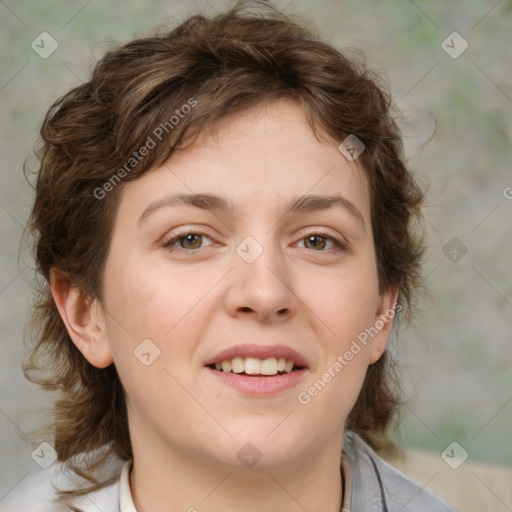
<point x="37" y="492"/>
<point x="380" y="486"/>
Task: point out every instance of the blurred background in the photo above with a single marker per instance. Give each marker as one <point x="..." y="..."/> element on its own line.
<point x="448" y="65"/>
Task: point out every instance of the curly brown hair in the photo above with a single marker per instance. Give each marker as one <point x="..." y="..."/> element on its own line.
<point x="248" y="56"/>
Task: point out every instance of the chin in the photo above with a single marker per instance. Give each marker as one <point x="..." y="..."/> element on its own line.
<point x="269" y="442"/>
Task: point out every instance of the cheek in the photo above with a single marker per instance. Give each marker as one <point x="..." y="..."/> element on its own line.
<point x="343" y="307"/>
<point x="156" y="321"/>
<point x="335" y="385"/>
<point x="166" y="305"/>
<point x="344" y="303"/>
<point x="153" y="298"/>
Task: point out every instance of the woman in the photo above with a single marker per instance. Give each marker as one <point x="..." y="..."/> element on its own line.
<point x="224" y="225"/>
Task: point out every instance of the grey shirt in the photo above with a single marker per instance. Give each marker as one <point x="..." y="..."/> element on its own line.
<point x="378" y="487"/>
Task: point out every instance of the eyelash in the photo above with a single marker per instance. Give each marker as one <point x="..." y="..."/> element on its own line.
<point x="168" y="244"/>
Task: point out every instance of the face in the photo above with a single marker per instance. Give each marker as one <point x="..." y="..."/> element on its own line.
<point x="222" y="258"/>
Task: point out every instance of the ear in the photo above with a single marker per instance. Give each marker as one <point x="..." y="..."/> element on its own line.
<point x="83" y="318"/>
<point x="383" y="322"/>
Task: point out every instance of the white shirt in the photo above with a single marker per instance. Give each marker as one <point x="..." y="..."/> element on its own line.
<point x="125" y="495"/>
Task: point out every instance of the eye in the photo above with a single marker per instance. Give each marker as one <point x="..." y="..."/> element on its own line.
<point x="319" y="242"/>
<point x="185" y="241"/>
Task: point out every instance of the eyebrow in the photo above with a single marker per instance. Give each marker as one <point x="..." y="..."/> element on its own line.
<point x="300" y="204"/>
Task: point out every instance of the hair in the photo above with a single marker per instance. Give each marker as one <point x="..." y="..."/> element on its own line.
<point x="92" y="139"/>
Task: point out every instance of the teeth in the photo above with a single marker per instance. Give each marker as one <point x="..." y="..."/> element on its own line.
<point x="255" y="366"/>
<point x="237" y="365"/>
<point x="269" y="366"/>
<point x="252" y="366"/>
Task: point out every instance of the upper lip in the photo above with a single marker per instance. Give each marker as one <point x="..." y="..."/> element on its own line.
<point x="260" y="352"/>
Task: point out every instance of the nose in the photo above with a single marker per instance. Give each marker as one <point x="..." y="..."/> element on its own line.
<point x="262" y="288"/>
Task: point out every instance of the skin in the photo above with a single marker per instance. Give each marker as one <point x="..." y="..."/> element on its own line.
<point x="186" y="425"/>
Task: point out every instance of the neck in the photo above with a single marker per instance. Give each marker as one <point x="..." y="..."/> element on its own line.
<point x="177" y="481"/>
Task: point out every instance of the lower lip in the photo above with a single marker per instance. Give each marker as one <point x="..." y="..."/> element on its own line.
<point x="260" y="386"/>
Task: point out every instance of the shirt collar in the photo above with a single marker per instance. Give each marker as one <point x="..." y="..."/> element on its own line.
<point x="125" y="496"/>
<point x="346" y="467"/>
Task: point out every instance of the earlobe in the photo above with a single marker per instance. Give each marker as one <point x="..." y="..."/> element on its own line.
<point x="83" y="318"/>
<point x="383" y="323"/>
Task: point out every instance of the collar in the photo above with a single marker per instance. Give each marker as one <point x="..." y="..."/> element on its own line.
<point x="367" y="492"/>
<point x="346" y="468"/>
<point x="125" y="496"/>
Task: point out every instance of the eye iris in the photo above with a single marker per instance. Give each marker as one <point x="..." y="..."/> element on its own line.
<point x="190" y="238"/>
<point x="314" y="240"/>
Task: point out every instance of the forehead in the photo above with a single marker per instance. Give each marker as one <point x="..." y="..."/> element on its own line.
<point x="260" y="157"/>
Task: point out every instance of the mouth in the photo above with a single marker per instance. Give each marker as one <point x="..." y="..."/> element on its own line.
<point x="258" y="370"/>
<point x="256" y="367"/>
